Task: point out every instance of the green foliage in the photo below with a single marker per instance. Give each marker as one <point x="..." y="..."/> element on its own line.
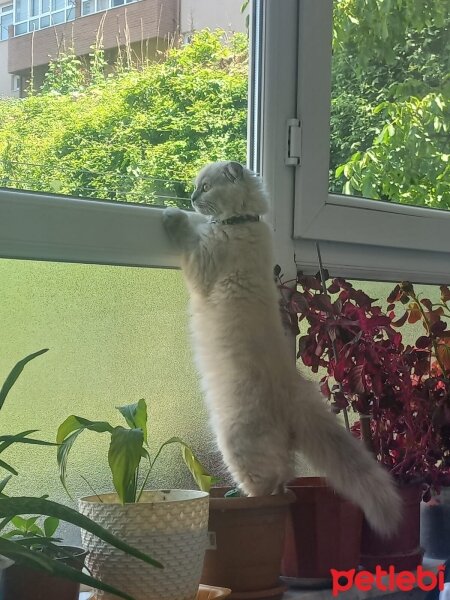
<point x="32" y="545"/>
<point x="64" y="75"/>
<point x="141" y="135"/>
<point x="126" y="450"/>
<point x="391" y="61"/>
<point x="409" y="159"/>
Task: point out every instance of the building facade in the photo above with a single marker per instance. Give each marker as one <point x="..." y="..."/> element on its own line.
<point x="34" y="31"/>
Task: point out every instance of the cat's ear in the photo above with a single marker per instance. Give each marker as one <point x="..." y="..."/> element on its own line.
<point x="233" y="171"/>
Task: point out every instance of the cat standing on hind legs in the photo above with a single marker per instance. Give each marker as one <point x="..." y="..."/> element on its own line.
<point x="262" y="411"/>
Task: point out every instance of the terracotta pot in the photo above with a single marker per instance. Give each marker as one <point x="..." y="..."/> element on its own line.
<point x="246" y="544"/>
<point x="402" y="550"/>
<point x="435" y="525"/>
<point x="22" y="583"/>
<point x="323" y="533"/>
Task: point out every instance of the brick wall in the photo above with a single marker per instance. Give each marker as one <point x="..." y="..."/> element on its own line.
<point x="144" y="20"/>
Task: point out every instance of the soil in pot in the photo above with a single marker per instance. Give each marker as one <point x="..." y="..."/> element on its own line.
<point x="403" y="549"/>
<point x="23" y="583"/>
<point x="246" y="544"/>
<point x="323" y="533"/>
<point x="435" y="525"/>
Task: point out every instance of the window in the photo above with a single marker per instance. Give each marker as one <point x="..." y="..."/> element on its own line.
<point x="93" y="6"/>
<point x="6" y="19"/>
<point x="60" y="11"/>
<point x="386" y="238"/>
<point x="15" y="83"/>
<point x="105" y="350"/>
<point x="51" y="233"/>
<point x="91" y="198"/>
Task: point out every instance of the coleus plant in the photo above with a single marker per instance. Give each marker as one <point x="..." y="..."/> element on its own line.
<point x="400" y="392"/>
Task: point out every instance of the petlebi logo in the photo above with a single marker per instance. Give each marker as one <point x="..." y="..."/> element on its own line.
<point x="387" y="580"/>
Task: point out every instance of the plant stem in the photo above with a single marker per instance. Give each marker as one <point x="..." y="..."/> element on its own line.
<point x="333" y="344"/>
<point x="428" y="328"/>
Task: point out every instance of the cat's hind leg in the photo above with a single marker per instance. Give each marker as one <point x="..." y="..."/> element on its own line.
<point x="259" y="469"/>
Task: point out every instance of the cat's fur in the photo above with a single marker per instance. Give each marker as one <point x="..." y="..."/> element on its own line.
<point x="261" y="409"/>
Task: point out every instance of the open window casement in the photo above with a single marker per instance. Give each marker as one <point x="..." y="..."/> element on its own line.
<point x="359" y="238"/>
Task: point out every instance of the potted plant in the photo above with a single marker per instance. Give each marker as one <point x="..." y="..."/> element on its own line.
<point x="435" y="384"/>
<point x="246" y="537"/>
<point x="401" y="408"/>
<point x="172" y="524"/>
<point x="34" y="563"/>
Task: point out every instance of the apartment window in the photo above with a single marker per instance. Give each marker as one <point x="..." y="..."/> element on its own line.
<point x="15" y="83"/>
<point x="93" y="6"/>
<point x="31" y="15"/>
<point x="6" y="19"/>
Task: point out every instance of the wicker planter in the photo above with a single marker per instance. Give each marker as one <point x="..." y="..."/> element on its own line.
<point x="170" y="525"/>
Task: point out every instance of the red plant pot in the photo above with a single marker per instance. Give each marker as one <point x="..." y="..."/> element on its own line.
<point x="22" y="583"/>
<point x="402" y="550"/>
<point x="323" y="532"/>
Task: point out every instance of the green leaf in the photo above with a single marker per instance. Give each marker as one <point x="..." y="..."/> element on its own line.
<point x="201" y="477"/>
<point x="37" y="560"/>
<point x="20" y="505"/>
<point x="21" y="438"/>
<point x="4" y="482"/>
<point x="8" y="467"/>
<point x="136" y="415"/>
<point x="339" y="171"/>
<point x="51" y="524"/>
<point x="73" y="423"/>
<point x="15" y="373"/>
<point x="124" y="456"/>
<point x="66" y="435"/>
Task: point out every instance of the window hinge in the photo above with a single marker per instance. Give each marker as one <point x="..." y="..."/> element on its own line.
<point x="293" y="142"/>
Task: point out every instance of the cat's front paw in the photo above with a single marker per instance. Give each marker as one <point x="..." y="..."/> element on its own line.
<point x="175" y="222"/>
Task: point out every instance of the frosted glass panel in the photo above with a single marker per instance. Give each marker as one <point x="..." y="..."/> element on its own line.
<point x="115" y="335"/>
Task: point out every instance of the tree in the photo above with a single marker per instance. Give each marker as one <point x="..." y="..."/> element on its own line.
<point x="138" y="136"/>
<point x="391" y="93"/>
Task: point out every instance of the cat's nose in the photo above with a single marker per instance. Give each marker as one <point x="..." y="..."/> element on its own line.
<point x="194" y="196"/>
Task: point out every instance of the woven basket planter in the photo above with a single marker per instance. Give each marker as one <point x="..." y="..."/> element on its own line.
<point x="170" y="525"/>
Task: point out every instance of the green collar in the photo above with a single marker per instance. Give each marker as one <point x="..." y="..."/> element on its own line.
<point x="239" y="219"/>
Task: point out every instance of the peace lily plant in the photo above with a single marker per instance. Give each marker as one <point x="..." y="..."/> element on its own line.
<point x="23" y="540"/>
<point x="128" y="447"/>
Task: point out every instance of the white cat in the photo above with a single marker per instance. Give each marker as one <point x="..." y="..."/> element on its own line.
<point x="262" y="411"/>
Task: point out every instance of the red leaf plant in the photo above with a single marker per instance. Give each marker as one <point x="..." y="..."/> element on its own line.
<point x="400" y="392"/>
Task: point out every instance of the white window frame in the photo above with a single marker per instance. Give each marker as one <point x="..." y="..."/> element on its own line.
<point x="359" y="238"/>
<point x="5" y="10"/>
<point x="49" y="227"/>
<point x="68" y="10"/>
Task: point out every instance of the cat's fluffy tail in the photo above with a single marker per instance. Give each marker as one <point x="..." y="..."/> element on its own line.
<point x="346" y="463"/>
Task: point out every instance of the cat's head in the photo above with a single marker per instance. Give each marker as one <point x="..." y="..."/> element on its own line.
<point x="227" y="189"/>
